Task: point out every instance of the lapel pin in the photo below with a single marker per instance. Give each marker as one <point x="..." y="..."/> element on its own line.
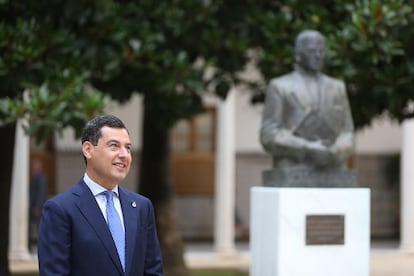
<point x="134" y="204"/>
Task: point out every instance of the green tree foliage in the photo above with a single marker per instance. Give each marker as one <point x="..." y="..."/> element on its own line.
<point x="50" y="107"/>
<point x="173" y="52"/>
<point x="369" y="48"/>
<point x="40" y="58"/>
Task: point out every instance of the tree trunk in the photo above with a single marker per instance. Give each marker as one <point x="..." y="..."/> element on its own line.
<point x="155" y="183"/>
<point x="7" y="134"/>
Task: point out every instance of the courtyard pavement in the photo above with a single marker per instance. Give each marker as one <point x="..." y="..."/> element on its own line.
<point x="386" y="259"/>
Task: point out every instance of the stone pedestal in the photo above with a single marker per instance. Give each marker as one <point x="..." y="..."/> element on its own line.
<point x="407" y="188"/>
<point x="309" y="231"/>
<point x="305" y="176"/>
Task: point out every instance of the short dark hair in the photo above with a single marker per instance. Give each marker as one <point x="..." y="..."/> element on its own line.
<point x="92" y="130"/>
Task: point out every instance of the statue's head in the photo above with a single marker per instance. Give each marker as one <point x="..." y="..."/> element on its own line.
<point x="310" y="50"/>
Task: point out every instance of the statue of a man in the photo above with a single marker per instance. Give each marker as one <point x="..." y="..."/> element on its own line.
<point x="307" y="119"/>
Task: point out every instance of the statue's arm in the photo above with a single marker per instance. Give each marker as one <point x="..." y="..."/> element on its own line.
<point x="275" y="136"/>
<point x="344" y="145"/>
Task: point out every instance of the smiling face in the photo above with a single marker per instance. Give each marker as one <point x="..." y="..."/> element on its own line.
<point x="109" y="161"/>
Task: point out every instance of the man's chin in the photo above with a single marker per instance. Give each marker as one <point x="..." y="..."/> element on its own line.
<point x="120" y="177"/>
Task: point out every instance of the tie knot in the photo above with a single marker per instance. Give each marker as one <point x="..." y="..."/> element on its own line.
<point x="109" y="195"/>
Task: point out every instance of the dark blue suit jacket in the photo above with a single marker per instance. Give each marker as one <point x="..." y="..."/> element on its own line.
<point x="74" y="238"/>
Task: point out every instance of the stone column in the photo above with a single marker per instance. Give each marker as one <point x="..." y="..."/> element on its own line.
<point x="18" y="248"/>
<point x="407" y="186"/>
<point x="225" y="178"/>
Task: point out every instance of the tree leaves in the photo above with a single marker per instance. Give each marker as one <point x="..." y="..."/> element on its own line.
<point x="50" y="108"/>
<point x="155" y="48"/>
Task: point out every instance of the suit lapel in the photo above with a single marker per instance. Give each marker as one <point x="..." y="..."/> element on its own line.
<point x="324" y="96"/>
<point x="129" y="211"/>
<point x="309" y="97"/>
<point x="300" y="93"/>
<point x="90" y="210"/>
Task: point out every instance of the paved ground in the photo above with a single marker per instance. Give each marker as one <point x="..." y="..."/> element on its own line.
<point x="388" y="260"/>
<point x="385" y="260"/>
<point x="392" y="264"/>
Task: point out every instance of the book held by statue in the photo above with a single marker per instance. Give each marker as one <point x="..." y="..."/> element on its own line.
<point x="314" y="127"/>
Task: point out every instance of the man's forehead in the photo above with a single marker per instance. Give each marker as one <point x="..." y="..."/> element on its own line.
<point x="114" y="133"/>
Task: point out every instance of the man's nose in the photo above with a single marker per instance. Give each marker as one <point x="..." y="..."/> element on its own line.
<point x="123" y="151"/>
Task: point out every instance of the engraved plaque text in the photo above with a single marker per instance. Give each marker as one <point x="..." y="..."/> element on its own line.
<point x="325" y="229"/>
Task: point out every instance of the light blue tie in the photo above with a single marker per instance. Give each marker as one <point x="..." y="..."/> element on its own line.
<point x="115" y="226"/>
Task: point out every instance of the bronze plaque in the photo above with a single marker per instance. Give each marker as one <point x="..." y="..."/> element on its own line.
<point x="325" y="229"/>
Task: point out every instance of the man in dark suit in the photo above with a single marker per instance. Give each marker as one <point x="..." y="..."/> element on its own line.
<point x="37" y="196"/>
<point x="75" y="233"/>
<point x="307" y="119"/>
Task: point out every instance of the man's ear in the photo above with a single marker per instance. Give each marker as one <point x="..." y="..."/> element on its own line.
<point x="87" y="148"/>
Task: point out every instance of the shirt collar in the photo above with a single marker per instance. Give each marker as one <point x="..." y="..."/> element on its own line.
<point x="95" y="188"/>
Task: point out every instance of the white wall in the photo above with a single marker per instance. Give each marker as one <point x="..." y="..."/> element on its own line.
<point x="382" y="137"/>
<point x="248" y="121"/>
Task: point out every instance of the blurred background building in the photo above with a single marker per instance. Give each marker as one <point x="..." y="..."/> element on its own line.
<point x="376" y="158"/>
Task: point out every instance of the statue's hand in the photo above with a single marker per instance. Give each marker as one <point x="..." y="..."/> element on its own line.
<point x="317" y="146"/>
<point x="319" y="154"/>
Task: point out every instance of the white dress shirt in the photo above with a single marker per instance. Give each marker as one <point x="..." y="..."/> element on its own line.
<point x="97" y="190"/>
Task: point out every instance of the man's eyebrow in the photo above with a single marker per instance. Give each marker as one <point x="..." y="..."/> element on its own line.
<point x="118" y="142"/>
<point x="112" y="141"/>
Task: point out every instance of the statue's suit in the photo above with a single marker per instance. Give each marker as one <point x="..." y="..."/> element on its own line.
<point x="288" y="99"/>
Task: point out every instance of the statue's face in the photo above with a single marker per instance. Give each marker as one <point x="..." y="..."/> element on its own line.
<point x="311" y="54"/>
